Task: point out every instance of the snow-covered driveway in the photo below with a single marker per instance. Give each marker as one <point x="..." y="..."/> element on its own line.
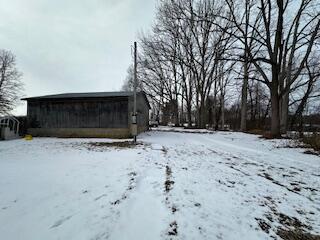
<point x="171" y="186"/>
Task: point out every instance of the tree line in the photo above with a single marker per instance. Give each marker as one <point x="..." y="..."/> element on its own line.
<point x="206" y="62"/>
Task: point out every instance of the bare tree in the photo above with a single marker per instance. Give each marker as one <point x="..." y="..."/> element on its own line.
<point x="308" y="90"/>
<point x="243" y="17"/>
<point x="285" y="39"/>
<point x="128" y="84"/>
<point x="10" y="84"/>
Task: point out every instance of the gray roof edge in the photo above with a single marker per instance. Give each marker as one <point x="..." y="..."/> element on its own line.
<point x="87" y="95"/>
<point x="83" y="95"/>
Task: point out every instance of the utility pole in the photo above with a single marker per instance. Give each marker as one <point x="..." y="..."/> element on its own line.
<point x="134" y="115"/>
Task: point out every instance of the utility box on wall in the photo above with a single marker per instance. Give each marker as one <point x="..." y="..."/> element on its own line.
<point x="134" y="127"/>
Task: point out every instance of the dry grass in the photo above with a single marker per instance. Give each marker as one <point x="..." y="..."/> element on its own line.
<point x="107" y="146"/>
<point x="296" y="235"/>
<point x="312" y="141"/>
<point x="256" y="131"/>
<point x="120" y="144"/>
<point x="263" y="133"/>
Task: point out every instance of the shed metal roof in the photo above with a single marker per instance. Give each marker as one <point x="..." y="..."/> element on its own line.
<point x="83" y="95"/>
<point x="86" y="95"/>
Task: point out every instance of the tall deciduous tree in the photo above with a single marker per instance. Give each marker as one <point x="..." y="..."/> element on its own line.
<point x="10" y="84"/>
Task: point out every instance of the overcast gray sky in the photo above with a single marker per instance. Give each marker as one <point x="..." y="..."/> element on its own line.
<point x="72" y="46"/>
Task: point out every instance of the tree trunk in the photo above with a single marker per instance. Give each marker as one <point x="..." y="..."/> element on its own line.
<point x="275" y="116"/>
<point x="189" y="114"/>
<point x="176" y="114"/>
<point x="214" y="107"/>
<point x="222" y="113"/>
<point x="181" y="119"/>
<point x="202" y="113"/>
<point x="302" y="105"/>
<point x="217" y="120"/>
<point x="284" y="113"/>
<point x="198" y="110"/>
<point x="300" y="125"/>
<point x="244" y="96"/>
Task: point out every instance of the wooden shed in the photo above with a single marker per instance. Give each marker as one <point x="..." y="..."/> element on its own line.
<point x="98" y="114"/>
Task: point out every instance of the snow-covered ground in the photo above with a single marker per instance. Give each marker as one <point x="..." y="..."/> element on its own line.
<point x="174" y="185"/>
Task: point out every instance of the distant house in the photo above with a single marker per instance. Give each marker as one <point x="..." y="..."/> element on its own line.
<point x="100" y="114"/>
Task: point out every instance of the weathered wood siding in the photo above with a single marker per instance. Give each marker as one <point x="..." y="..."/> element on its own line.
<point x="85" y="113"/>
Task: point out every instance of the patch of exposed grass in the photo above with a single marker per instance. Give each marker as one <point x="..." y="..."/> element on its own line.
<point x="263" y="133"/>
<point x="256" y="131"/>
<point x="173" y="229"/>
<point x="263" y="225"/>
<point x="168" y="183"/>
<point x="125" y="144"/>
<point x="312" y="141"/>
<point x="104" y="146"/>
<point x="296" y="235"/>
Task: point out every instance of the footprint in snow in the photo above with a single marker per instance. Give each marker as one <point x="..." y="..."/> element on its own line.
<point x="101" y="196"/>
<point x="60" y="222"/>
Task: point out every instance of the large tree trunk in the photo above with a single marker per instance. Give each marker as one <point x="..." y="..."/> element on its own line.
<point x="284" y="113"/>
<point x="276" y="67"/>
<point x="202" y="113"/>
<point x="275" y="107"/>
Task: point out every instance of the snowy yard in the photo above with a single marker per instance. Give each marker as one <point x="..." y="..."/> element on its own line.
<point x="171" y="186"/>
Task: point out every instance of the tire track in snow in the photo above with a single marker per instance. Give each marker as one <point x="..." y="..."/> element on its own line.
<point x="143" y="213"/>
<point x="172" y="230"/>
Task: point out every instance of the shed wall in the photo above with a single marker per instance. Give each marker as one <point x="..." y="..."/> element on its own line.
<point x="87" y="113"/>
